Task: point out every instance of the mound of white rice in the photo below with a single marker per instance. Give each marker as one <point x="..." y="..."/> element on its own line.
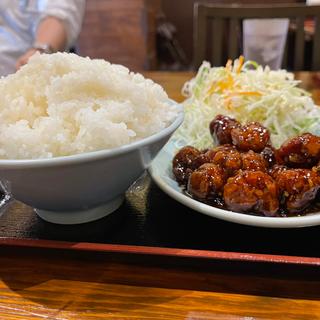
<point x="63" y="104"/>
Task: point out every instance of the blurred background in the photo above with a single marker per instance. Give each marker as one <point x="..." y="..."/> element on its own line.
<point x="145" y="34"/>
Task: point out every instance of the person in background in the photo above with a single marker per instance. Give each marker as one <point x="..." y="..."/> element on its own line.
<point x="29" y="26"/>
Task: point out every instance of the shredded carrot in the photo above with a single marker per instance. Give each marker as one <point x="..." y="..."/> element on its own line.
<point x="241" y="61"/>
<point x="228" y="104"/>
<point x="228" y="84"/>
<point x="247" y="93"/>
<point x="230" y="80"/>
<point x="222" y="85"/>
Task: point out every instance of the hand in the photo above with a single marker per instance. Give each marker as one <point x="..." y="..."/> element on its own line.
<point x="22" y="60"/>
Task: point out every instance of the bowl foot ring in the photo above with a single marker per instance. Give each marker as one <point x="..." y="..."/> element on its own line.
<point x="80" y="216"/>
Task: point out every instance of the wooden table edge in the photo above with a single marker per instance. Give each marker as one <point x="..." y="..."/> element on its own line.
<point x="159" y="251"/>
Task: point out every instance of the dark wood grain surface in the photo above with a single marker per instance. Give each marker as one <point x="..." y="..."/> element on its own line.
<point x="65" y="284"/>
<point x="122" y="32"/>
<point x="60" y="285"/>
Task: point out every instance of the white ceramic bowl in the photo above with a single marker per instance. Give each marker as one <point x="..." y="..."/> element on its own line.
<point x="83" y="187"/>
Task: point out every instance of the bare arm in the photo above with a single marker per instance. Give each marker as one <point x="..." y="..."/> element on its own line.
<point x="50" y="31"/>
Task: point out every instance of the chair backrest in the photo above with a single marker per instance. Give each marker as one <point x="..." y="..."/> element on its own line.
<point x="227" y="20"/>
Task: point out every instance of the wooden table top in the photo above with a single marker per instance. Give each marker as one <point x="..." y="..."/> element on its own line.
<point x="57" y="284"/>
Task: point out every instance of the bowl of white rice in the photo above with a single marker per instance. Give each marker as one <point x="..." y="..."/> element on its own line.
<point x="75" y="133"/>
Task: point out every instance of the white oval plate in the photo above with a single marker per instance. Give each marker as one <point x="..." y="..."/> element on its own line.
<point x="161" y="173"/>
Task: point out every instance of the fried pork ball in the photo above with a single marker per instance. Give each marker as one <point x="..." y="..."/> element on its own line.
<point x="276" y="169"/>
<point x="185" y="161"/>
<point x="301" y="152"/>
<point x="227" y="157"/>
<point x="252" y="136"/>
<point x="271" y="155"/>
<point x="207" y="181"/>
<point x="252" y="191"/>
<point x="224" y="147"/>
<point x="231" y="160"/>
<point x="220" y="129"/>
<point x="253" y="161"/>
<point x="297" y="187"/>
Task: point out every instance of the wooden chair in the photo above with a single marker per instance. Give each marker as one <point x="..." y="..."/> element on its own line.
<point x="226" y="20"/>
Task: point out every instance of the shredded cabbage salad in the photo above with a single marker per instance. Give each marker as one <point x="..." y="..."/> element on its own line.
<point x="246" y="92"/>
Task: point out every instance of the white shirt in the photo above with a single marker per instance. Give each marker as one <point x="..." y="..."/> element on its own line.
<point x="19" y="20"/>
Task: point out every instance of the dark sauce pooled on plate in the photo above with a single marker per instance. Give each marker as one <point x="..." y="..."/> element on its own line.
<point x="219" y="203"/>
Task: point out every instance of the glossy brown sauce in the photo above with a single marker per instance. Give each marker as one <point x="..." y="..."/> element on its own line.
<point x="245" y="173"/>
<point x="219" y="203"/>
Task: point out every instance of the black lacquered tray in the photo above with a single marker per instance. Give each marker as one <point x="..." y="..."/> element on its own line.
<point x="150" y="222"/>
